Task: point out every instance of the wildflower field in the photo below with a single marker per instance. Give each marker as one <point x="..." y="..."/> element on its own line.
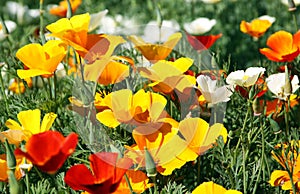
<point x="153" y="96"/>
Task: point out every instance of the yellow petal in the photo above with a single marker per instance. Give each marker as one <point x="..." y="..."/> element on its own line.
<point x="122" y="105"/>
<point x="47" y="121"/>
<point x="107" y="118"/>
<point x="30" y="120"/>
<point x="93" y="71"/>
<point x="31" y="55"/>
<point x="209" y="188"/>
<point x="182" y="64"/>
<point x="13" y="136"/>
<point x="23" y="74"/>
<point x="158" y="105"/>
<point x="11" y="124"/>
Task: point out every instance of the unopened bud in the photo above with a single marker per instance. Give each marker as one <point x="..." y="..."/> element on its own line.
<point x="288" y="85"/>
<point x="257" y="108"/>
<point x="150" y="164"/>
<point x="292" y="5"/>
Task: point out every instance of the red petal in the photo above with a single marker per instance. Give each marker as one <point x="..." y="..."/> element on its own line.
<point x="202" y="42"/>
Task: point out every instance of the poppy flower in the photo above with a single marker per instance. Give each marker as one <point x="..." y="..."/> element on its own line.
<point x="200" y="43"/>
<point x="41" y="59"/>
<point x="160" y="144"/>
<point x="18" y="86"/>
<point x="61" y="9"/>
<point x="49" y="150"/>
<point x="30" y="121"/>
<point x="284" y="47"/>
<point x="245" y="78"/>
<point x="199" y="136"/>
<point x="199" y="26"/>
<point x="108" y="71"/>
<point x="139" y="182"/>
<point x="136" y="109"/>
<point x="10" y="25"/>
<point x="104" y="177"/>
<point x="257" y="27"/>
<point x="211" y="92"/>
<point x="18" y="171"/>
<point x="155" y="52"/>
<point x="168" y="75"/>
<point x="74" y="32"/>
<point x="288" y="162"/>
<point x="277" y="85"/>
<point x="213" y="188"/>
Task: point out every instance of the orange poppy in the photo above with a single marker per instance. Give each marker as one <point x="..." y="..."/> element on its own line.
<point x="3" y="168"/>
<point x="284" y="47"/>
<point x="74" y="32"/>
<point x="18" y="86"/>
<point x="49" y="150"/>
<point x="155" y="52"/>
<point x="104" y="177"/>
<point x="138" y="180"/>
<point x="62" y="8"/>
<point x="256" y="28"/>
<point x="200" y="43"/>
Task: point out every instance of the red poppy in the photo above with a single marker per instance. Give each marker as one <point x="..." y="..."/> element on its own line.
<point x="49" y="150"/>
<point x="107" y="173"/>
<point x="200" y="43"/>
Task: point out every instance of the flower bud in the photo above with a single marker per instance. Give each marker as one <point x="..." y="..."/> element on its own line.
<point x="150" y="164"/>
<point x="287" y="90"/>
<point x="292" y="5"/>
<point x="257" y="108"/>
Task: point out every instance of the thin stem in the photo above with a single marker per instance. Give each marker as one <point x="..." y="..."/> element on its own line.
<point x="295" y="21"/>
<point x="41" y="32"/>
<point x="286" y="119"/>
<point x="262" y="152"/>
<point x="128" y="183"/>
<point x="50" y="88"/>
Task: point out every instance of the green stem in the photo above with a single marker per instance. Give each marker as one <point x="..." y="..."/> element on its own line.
<point x="128" y="183"/>
<point x="50" y="88"/>
<point x="286" y="119"/>
<point x="295" y="21"/>
<point x="41" y="32"/>
<point x="262" y="154"/>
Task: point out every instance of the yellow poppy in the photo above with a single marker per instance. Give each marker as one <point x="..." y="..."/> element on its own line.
<point x="155" y="52"/>
<point x="256" y="28"/>
<point x="74" y="32"/>
<point x="160" y="143"/>
<point x="136" y="109"/>
<point x="168" y="75"/>
<point x="40" y="60"/>
<point x="30" y="121"/>
<point x="199" y="135"/>
<point x="107" y="71"/>
<point x="213" y="188"/>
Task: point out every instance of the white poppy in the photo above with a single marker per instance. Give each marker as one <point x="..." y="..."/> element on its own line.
<point x="152" y="34"/>
<point x="11" y="26"/>
<point x="211" y="92"/>
<point x="276" y="84"/>
<point x="199" y="26"/>
<point x="245" y="78"/>
<point x="267" y="17"/>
